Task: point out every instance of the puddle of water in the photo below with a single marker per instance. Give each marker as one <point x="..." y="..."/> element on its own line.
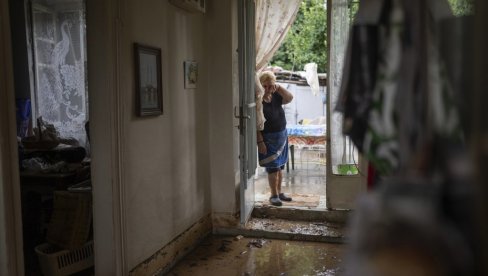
<point x="288" y="258"/>
<point x="249" y="256"/>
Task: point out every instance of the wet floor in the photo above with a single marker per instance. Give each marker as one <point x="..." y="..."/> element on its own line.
<point x="220" y="255"/>
<point x="306" y="183"/>
<point x="320" y="229"/>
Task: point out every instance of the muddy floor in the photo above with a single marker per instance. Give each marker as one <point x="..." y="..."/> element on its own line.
<point x="321" y="229"/>
<point x="219" y="255"/>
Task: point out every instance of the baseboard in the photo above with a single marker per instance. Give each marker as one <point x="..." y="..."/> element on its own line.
<point x="165" y="258"/>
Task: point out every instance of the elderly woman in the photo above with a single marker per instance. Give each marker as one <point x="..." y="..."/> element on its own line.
<point x="273" y="139"/>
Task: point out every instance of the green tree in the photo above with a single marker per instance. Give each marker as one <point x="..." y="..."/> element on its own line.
<point x="462" y="7"/>
<point x="306" y="40"/>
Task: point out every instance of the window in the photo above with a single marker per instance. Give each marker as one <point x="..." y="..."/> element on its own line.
<point x="59" y="50"/>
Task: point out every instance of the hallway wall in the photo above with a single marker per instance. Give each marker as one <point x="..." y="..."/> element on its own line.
<point x="175" y="168"/>
<point x="167" y="182"/>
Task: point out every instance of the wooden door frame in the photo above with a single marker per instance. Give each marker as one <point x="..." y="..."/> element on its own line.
<point x="11" y="253"/>
<point x="106" y="135"/>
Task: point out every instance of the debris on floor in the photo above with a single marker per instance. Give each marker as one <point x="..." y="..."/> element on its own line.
<point x="221" y="255"/>
<point x="224" y="245"/>
<point x="256" y="243"/>
<point x="318" y="229"/>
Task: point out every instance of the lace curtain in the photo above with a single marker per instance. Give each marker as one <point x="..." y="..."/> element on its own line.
<point x="60" y="60"/>
<point x="273" y="20"/>
<point x="342" y="150"/>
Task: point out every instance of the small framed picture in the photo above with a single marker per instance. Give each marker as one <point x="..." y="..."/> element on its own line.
<point x="190" y="74"/>
<point x="149" y="90"/>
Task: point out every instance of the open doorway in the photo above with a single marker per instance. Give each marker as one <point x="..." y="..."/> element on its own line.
<point x="301" y="65"/>
<point x="51" y="91"/>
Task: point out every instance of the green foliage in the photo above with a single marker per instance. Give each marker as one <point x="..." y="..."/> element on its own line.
<point x="306" y="40"/>
<point x="462" y="7"/>
<point x="353" y="9"/>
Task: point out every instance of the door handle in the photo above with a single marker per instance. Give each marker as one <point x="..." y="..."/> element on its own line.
<point x="239" y="116"/>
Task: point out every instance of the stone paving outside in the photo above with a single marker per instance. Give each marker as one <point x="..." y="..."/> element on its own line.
<point x="306" y="182"/>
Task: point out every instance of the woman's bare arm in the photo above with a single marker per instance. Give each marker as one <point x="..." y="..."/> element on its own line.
<point x="284" y="93"/>
<point x="261" y="145"/>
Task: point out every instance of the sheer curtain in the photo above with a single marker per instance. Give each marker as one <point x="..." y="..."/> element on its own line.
<point x="273" y="20"/>
<point x="342" y="150"/>
<point x="60" y="58"/>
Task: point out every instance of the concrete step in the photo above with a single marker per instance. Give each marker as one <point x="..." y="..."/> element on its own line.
<point x="284" y="229"/>
<point x="301" y="213"/>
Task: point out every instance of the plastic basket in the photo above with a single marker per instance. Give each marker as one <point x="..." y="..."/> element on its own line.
<point x="56" y="262"/>
<point x="69" y="227"/>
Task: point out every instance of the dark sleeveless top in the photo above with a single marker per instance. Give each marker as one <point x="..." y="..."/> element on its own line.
<point x="274" y="114"/>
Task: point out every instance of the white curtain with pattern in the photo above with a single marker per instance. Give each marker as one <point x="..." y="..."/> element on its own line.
<point x="273" y="20"/>
<point x="59" y="46"/>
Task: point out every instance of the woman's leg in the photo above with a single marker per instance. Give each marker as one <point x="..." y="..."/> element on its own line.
<point x="273" y="180"/>
<point x="278" y="187"/>
<point x="278" y="181"/>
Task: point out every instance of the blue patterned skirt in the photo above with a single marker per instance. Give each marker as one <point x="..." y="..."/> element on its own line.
<point x="277" y="149"/>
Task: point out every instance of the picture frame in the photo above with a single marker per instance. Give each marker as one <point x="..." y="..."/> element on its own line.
<point x="190" y="74"/>
<point x="148" y="82"/>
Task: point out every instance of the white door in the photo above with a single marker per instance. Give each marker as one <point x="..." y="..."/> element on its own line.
<point x="247" y="107"/>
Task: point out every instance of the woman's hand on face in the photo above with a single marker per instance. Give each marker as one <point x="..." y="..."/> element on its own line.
<point x="276" y="87"/>
<point x="269" y="88"/>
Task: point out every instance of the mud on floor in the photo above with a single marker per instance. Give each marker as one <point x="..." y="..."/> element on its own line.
<point x="297" y="227"/>
<point x="220" y="255"/>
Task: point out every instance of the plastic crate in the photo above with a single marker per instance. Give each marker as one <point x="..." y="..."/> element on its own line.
<point x="69" y="227"/>
<point x="59" y="262"/>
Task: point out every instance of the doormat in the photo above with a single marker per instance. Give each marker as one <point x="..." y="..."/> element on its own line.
<point x="299" y="200"/>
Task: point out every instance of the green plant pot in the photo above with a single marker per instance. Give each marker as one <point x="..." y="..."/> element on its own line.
<point x="347" y="169"/>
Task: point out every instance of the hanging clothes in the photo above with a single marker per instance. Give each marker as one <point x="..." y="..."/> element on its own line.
<point x="395" y="94"/>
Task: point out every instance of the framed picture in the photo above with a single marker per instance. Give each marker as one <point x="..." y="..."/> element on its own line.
<point x="149" y="89"/>
<point x="191" y="74"/>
